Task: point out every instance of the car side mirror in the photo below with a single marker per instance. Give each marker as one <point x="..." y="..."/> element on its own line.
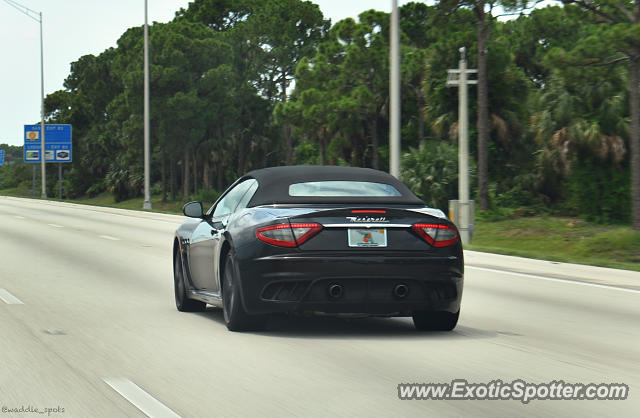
<point x="193" y="210"/>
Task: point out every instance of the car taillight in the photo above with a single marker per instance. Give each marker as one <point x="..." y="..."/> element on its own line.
<point x="436" y="234"/>
<point x="285" y="235"/>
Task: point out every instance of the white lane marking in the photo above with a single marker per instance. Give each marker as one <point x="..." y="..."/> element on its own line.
<point x="108" y="237"/>
<point x="554" y="279"/>
<point x="19" y="217"/>
<point x="8" y="298"/>
<point x="146" y="403"/>
<point x="56" y="225"/>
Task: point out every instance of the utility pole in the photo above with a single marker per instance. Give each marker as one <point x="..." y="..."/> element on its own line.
<point x="147" y="171"/>
<point x="394" y="89"/>
<point x="37" y="16"/>
<point x="42" y="128"/>
<point x="465" y="207"/>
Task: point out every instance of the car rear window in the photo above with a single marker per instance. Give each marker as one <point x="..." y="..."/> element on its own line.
<point x="336" y="188"/>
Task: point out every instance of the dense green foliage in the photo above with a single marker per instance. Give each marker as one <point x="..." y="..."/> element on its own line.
<point x="243" y="84"/>
<point x="13" y="171"/>
<point x="436" y="181"/>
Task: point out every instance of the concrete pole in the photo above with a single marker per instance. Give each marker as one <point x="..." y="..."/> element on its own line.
<point x="147" y="197"/>
<point x="463" y="148"/>
<point x="42" y="133"/>
<point x="394" y="163"/>
<point x="37" y="16"/>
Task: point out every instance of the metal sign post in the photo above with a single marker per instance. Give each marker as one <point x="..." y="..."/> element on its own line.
<point x="59" y="181"/>
<point x="460" y="78"/>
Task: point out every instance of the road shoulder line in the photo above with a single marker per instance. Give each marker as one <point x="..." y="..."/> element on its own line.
<point x="555" y="279"/>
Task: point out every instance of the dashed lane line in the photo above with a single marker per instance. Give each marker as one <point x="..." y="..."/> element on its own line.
<point x="146" y="403"/>
<point x="8" y="298"/>
<point x="109" y="237"/>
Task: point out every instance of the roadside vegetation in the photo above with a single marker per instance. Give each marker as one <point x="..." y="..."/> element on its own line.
<point x="106" y="199"/>
<point x="508" y="231"/>
<point x="244" y="84"/>
<point x="563" y="239"/>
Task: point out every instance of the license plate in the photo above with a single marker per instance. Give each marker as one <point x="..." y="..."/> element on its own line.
<point x="369" y="237"/>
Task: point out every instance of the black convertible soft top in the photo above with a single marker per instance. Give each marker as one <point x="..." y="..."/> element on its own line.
<point x="274" y="185"/>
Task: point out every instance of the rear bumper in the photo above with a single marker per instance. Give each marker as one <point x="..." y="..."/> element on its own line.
<point x="301" y="283"/>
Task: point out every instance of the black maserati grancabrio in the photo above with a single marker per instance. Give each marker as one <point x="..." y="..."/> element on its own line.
<point x="318" y="239"/>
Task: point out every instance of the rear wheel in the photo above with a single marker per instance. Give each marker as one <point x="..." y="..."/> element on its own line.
<point x="236" y="318"/>
<point x="435" y="320"/>
<point x="183" y="303"/>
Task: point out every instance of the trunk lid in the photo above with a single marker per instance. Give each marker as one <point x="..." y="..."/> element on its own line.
<point x="369" y="229"/>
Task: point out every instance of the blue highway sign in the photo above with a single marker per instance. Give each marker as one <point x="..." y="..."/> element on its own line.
<point x="1" y="157"/>
<point x="57" y="143"/>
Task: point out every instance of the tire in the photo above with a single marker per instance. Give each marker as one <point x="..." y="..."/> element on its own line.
<point x="235" y="317"/>
<point x="183" y="303"/>
<point x="435" y="320"/>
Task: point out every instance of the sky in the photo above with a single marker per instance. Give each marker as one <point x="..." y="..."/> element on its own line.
<point x="73" y="28"/>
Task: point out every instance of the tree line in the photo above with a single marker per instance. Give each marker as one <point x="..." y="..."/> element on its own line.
<point x="243" y="84"/>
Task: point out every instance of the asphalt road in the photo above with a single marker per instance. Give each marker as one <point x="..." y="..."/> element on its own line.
<point x="88" y="325"/>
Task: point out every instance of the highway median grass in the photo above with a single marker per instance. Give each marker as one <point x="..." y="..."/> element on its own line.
<point x="107" y="200"/>
<point x="564" y="239"/>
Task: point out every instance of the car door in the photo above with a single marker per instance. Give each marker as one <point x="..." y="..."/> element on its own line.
<point x="206" y="238"/>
